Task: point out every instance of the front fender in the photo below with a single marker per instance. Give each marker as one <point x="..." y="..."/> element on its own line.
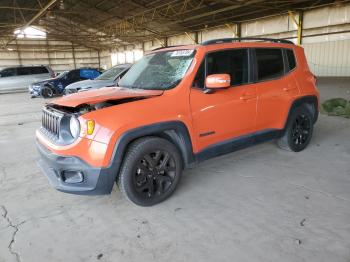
<point x="175" y="131"/>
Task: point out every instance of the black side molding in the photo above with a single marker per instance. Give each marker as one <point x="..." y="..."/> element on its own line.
<point x="308" y="100"/>
<point x="238" y="143"/>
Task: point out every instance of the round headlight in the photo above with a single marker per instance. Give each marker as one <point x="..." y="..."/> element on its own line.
<point x="74" y="126"/>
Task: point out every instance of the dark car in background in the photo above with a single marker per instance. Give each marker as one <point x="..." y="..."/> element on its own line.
<point x="56" y="86"/>
<point x="108" y="78"/>
<point x="18" y="78"/>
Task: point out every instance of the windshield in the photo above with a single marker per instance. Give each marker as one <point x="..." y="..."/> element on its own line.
<point x="161" y="70"/>
<point x="61" y="75"/>
<point x="112" y="73"/>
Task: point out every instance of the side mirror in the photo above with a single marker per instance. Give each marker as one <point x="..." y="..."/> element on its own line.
<point x="218" y="81"/>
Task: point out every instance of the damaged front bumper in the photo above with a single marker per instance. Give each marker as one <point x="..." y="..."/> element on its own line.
<point x="33" y="91"/>
<point x="72" y="175"/>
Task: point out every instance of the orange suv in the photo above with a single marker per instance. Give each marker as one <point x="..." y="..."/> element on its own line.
<point x="175" y="107"/>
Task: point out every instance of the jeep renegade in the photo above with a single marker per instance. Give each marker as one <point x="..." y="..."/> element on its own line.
<point x="175" y="107"/>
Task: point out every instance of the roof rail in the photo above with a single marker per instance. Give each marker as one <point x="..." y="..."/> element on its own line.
<point x="163" y="47"/>
<point x="230" y="40"/>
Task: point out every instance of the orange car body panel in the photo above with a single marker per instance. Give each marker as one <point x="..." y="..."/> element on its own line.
<point x="228" y="113"/>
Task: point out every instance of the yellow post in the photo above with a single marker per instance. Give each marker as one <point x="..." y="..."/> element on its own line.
<point x="299" y="24"/>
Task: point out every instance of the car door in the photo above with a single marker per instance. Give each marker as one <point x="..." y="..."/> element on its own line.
<point x="227" y="113"/>
<point x="25" y="76"/>
<point x="276" y="87"/>
<point x="8" y="79"/>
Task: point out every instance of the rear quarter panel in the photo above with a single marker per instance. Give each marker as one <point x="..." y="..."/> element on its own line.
<point x="306" y="80"/>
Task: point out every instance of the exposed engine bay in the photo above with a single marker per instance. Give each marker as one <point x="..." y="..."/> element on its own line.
<point x="86" y="108"/>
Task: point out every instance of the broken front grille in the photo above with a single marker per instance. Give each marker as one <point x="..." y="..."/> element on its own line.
<point x="50" y="122"/>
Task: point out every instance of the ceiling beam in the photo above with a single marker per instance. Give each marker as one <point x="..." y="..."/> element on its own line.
<point x="33" y="19"/>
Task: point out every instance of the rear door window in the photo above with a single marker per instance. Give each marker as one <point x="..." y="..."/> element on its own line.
<point x="36" y="70"/>
<point x="269" y="63"/>
<point x="291" y="59"/>
<point x="23" y="71"/>
<point x="8" y="72"/>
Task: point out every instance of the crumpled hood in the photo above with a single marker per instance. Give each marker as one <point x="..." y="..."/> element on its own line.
<point x="49" y="80"/>
<point x="105" y="94"/>
<point x="90" y="84"/>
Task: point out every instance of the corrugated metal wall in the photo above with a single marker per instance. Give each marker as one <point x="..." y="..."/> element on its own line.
<point x="326" y="37"/>
<point x="330" y="58"/>
<point x="58" y="54"/>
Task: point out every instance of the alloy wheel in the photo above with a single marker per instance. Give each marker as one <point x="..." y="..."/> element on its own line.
<point x="301" y="129"/>
<point x="154" y="174"/>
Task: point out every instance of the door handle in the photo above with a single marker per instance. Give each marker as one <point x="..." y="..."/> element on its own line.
<point x="247" y="97"/>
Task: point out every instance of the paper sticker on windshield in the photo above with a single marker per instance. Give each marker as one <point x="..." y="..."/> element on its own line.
<point x="178" y="53"/>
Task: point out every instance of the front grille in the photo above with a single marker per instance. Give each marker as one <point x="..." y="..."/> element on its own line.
<point x="50" y="122"/>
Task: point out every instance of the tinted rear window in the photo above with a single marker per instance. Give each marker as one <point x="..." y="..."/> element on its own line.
<point x="32" y="70"/>
<point x="8" y="72"/>
<point x="270" y="63"/>
<point x="22" y="71"/>
<point x="291" y="59"/>
<point x="39" y="70"/>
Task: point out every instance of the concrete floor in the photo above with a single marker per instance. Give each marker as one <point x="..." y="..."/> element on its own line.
<point x="259" y="204"/>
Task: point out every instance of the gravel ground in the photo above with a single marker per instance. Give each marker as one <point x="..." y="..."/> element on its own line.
<point x="258" y="204"/>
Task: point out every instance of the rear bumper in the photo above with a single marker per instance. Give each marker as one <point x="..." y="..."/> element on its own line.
<point x="87" y="181"/>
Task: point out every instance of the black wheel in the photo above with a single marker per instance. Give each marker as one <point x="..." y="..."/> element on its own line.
<point x="47" y="92"/>
<point x="299" y="130"/>
<point x="150" y="171"/>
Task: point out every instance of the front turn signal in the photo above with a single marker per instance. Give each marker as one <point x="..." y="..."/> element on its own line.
<point x="90" y="127"/>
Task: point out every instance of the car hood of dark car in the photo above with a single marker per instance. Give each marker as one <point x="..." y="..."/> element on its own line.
<point x="46" y="81"/>
<point x="87" y="84"/>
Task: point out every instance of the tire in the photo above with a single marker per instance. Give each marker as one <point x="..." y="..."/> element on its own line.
<point x="47" y="92"/>
<point x="145" y="178"/>
<point x="298" y="131"/>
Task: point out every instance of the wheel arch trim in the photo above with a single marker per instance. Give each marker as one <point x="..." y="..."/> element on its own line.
<point x="313" y="100"/>
<point x="175" y="131"/>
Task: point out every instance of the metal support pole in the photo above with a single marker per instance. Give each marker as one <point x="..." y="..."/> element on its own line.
<point x="196" y="37"/>
<point x="143" y="48"/>
<point x="239" y="30"/>
<point x="300" y="28"/>
<point x="48" y="51"/>
<point x="299" y="24"/>
<point x="19" y="54"/>
<point x="73" y="53"/>
<point x="99" y="59"/>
